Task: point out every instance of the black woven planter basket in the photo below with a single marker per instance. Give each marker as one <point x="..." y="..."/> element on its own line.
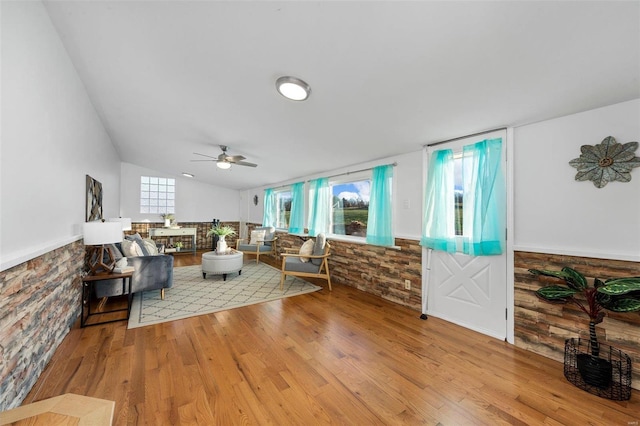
<point x="616" y="387"/>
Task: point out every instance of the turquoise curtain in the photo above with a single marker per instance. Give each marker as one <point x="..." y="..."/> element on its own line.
<point x="269" y="215"/>
<point x="483" y="199"/>
<point x="296" y="219"/>
<point x="379" y="225"/>
<point x="319" y="202"/>
<point x="438" y="230"/>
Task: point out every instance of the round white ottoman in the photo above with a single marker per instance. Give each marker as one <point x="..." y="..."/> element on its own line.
<point x="221" y="264"/>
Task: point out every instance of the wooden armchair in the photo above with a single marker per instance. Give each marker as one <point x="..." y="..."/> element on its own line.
<point x="261" y="245"/>
<point x="316" y="267"/>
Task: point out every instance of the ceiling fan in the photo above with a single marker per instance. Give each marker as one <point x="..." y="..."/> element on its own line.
<point x="225" y="161"/>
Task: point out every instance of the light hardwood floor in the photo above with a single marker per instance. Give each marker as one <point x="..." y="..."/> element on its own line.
<point x="341" y="357"/>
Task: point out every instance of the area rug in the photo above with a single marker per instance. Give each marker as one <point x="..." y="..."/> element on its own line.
<point x="191" y="295"/>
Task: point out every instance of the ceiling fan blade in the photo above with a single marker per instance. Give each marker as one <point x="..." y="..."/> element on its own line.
<point x="245" y="163"/>
<point x="202" y="160"/>
<point x="234" y="158"/>
<point x="204" y="155"/>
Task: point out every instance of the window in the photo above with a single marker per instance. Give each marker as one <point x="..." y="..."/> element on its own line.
<point x="350" y="207"/>
<point x="457" y="192"/>
<point x="157" y="195"/>
<point x="283" y="208"/>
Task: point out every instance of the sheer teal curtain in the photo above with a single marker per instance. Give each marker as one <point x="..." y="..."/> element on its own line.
<point x="269" y="215"/>
<point x="483" y="199"/>
<point x="319" y="199"/>
<point x="379" y="225"/>
<point x="438" y="224"/>
<point x="296" y="219"/>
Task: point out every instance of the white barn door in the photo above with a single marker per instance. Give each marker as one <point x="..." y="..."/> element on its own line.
<point x="470" y="291"/>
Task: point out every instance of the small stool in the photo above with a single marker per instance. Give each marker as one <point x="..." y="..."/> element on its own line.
<point x="222" y="264"/>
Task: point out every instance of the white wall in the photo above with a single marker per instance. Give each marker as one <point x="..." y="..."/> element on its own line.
<point x="195" y="201"/>
<point x="407" y="211"/>
<point x="51" y="138"/>
<point x="556" y="214"/>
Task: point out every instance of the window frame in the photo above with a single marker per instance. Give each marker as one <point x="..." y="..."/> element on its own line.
<point x="276" y="194"/>
<point x="158" y="197"/>
<point x="340" y="180"/>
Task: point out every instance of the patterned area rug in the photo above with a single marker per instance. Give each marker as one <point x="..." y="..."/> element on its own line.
<point x="191" y="295"/>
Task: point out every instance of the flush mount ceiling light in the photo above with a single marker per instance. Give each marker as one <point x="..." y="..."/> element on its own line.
<point x="293" y="88"/>
<point x="224" y="165"/>
<point x="189" y="175"/>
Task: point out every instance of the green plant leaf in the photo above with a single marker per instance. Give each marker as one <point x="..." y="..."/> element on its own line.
<point x="618" y="286"/>
<point x="624" y="305"/>
<point x="576" y="278"/>
<point x="556" y="293"/>
<point x="573" y="278"/>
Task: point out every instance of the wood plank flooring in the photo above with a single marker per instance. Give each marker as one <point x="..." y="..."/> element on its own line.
<point x="341" y="357"/>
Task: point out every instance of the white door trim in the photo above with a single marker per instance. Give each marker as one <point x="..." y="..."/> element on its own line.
<point x="510" y="270"/>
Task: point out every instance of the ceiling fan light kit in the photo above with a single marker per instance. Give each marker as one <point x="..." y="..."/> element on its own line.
<point x="224" y="161"/>
<point x="293" y="88"/>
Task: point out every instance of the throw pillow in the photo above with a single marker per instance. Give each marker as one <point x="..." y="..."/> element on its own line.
<point x="306" y="249"/>
<point x="150" y="245"/>
<point x="131" y="248"/>
<point x="256" y="236"/>
<point x="117" y="254"/>
<point x="138" y="239"/>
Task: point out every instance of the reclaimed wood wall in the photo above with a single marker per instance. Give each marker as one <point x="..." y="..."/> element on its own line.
<point x="542" y="327"/>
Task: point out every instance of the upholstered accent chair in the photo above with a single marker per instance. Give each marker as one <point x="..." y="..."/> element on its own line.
<point x="313" y="264"/>
<point x="263" y="240"/>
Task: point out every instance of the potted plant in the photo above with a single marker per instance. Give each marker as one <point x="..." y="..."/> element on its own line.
<point x="222" y="232"/>
<point x="178" y="246"/>
<point x="616" y="295"/>
<point x="168" y="218"/>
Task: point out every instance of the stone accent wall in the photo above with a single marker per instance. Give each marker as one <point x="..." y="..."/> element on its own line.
<point x="202" y="241"/>
<point x="542" y="327"/>
<point x="39" y="303"/>
<point x="374" y="269"/>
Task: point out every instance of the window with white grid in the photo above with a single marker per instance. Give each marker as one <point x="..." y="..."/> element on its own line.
<point x="157" y="195"/>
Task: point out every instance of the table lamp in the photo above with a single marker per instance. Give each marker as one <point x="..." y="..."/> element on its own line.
<point x="124" y="221"/>
<point x="96" y="235"/>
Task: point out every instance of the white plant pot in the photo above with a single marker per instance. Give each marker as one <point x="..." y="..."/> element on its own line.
<point x="167" y="223"/>
<point x="222" y="245"/>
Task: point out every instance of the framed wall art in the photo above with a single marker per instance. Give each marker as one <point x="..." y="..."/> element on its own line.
<point x="94" y="199"/>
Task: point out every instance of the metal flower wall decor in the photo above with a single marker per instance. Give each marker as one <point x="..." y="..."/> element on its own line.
<point x="606" y="162"/>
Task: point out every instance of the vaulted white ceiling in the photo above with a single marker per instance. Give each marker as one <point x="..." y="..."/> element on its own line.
<point x="170" y="78"/>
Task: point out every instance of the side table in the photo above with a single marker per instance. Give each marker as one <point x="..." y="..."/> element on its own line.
<point x="88" y="284"/>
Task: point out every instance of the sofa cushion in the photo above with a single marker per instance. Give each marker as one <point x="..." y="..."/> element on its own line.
<point x="254" y="248"/>
<point x="318" y="248"/>
<point x="295" y="264"/>
<point x="306" y="250"/>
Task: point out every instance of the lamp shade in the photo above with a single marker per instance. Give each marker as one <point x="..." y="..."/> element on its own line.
<point x="98" y="233"/>
<point x="124" y="221"/>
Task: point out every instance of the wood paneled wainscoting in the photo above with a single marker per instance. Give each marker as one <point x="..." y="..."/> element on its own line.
<point x="542" y="327"/>
<point x="340" y="357"/>
<point x="381" y="271"/>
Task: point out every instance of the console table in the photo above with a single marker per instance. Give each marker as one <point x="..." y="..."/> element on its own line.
<point x="175" y="232"/>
